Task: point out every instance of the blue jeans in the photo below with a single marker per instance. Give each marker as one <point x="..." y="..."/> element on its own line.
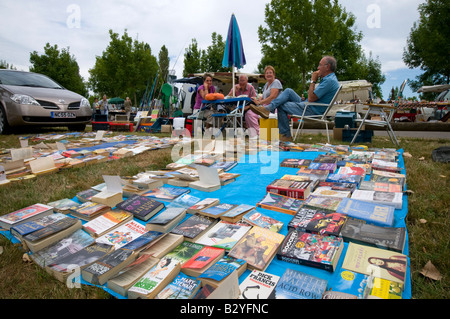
<point x="288" y="102"/>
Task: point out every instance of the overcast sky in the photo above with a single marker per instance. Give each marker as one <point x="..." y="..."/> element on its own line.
<point x="83" y="26"/>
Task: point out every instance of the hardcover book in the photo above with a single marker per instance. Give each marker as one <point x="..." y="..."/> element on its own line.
<point x="258" y="247"/>
<point x="295" y="284"/>
<point x="258" y="285"/>
<point x="280" y="203"/>
<point x="375" y="214"/>
<point x="380" y="263"/>
<point x="358" y="231"/>
<point x="312" y="250"/>
<point x="25" y="214"/>
<point x="141" y="207"/>
<point x="255" y="218"/>
<point x="318" y="221"/>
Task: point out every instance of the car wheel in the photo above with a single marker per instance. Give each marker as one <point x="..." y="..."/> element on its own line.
<point x="77" y="127"/>
<point x="3" y="121"/>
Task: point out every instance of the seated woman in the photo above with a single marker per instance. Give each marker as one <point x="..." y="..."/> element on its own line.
<point x="271" y="90"/>
<point x="202" y="91"/>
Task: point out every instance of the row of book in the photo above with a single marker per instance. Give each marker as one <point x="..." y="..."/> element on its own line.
<point x="144" y="230"/>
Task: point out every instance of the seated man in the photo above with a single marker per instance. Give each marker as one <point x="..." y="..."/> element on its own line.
<point x="288" y="102"/>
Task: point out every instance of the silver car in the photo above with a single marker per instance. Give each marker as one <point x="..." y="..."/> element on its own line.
<point x="28" y="98"/>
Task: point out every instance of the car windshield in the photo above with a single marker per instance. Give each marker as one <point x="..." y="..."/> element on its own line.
<point x="27" y="79"/>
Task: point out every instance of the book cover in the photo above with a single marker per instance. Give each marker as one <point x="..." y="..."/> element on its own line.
<point x="224" y="235"/>
<point x="225" y="166"/>
<point x="122" y="235"/>
<point x="184" y="251"/>
<point x="380" y="187"/>
<point x="318" y="221"/>
<point x="329" y="167"/>
<point x="352" y="170"/>
<point x="203" y="258"/>
<point x="182" y="287"/>
<point x="169" y="214"/>
<point x="66" y="246"/>
<point x="280" y="203"/>
<point x="358" y="231"/>
<point x="236" y="213"/>
<point x="222" y="268"/>
<point x="378" y="288"/>
<point x="51" y="229"/>
<point x="257" y="247"/>
<point x="258" y="285"/>
<point x="375" y="214"/>
<point x="63" y="205"/>
<point x="88" y="210"/>
<point x="217" y="210"/>
<point x="344" y="178"/>
<point x="255" y="218"/>
<point x="166" y="193"/>
<point x="312" y="250"/>
<point x="141" y="207"/>
<point x="34" y="225"/>
<point x="323" y="202"/>
<point x="385" y="198"/>
<point x="25" y="214"/>
<point x="147" y="239"/>
<point x="376" y="262"/>
<point x="295" y="162"/>
<point x="184" y="201"/>
<point x="193" y="226"/>
<point x="388" y="177"/>
<point x="103" y="223"/>
<point x="295" y="284"/>
<point x="350" y="282"/>
<point x="329" y="191"/>
<point x="294" y="189"/>
<point x="350" y="187"/>
<point x="86" y="195"/>
<point x="203" y="204"/>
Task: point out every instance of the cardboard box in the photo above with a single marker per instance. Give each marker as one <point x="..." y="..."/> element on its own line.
<point x="268" y="129"/>
<point x="166" y="128"/>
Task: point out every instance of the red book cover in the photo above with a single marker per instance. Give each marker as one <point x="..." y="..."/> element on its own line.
<point x="203" y="257"/>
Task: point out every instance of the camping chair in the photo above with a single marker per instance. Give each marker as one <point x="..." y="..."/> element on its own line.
<point x="318" y="118"/>
<point x="384" y="121"/>
<point x="235" y="118"/>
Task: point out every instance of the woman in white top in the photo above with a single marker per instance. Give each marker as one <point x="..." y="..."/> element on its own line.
<point x="271" y="90"/>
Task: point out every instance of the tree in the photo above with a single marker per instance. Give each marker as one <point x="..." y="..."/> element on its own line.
<point x="192" y="59"/>
<point x="299" y="33"/>
<point x="60" y="66"/>
<point x="428" y="44"/>
<point x="124" y="69"/>
<point x="6" y="65"/>
<point x="164" y="62"/>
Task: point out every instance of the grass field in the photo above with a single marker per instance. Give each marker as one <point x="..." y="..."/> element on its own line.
<point x="427" y="220"/>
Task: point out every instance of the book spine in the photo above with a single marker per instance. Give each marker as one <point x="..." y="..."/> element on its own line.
<point x="305" y="263"/>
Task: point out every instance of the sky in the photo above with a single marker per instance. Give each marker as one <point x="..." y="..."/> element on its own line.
<point x="83" y="27"/>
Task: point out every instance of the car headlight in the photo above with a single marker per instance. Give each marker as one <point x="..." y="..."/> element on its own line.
<point x="85" y="103"/>
<point x="24" y="99"/>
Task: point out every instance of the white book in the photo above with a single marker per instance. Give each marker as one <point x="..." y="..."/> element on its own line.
<point x="224" y="235"/>
<point x="258" y="285"/>
<point x="122" y="235"/>
<point x="384" y="198"/>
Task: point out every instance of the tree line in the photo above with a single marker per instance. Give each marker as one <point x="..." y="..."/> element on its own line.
<point x="295" y="36"/>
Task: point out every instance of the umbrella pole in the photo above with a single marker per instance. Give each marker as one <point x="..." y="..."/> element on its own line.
<point x="234" y="87"/>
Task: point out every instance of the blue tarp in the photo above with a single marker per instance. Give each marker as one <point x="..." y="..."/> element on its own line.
<point x="257" y="171"/>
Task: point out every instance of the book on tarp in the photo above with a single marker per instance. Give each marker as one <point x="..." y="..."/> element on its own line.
<point x="51" y="233"/>
<point x="104" y="223"/>
<point x="318" y="221"/>
<point x="202" y="204"/>
<point x="209" y="180"/>
<point x="384" y="198"/>
<point x="182" y="287"/>
<point x="377" y="262"/>
<point x="295" y="284"/>
<point x="255" y="218"/>
<point x="380" y="187"/>
<point x="388" y="177"/>
<point x="295" y="162"/>
<point x="379" y="288"/>
<point x="88" y="210"/>
<point x="122" y="235"/>
<point x="166" y="193"/>
<point x="358" y="231"/>
<point x="311" y="250"/>
<point x="215" y="274"/>
<point x="166" y="220"/>
<point x="235" y="214"/>
<point x="141" y="207"/>
<point x="86" y="195"/>
<point x="62" y="268"/>
<point x="258" y="285"/>
<point x="153" y="281"/>
<point x="194" y="227"/>
<point x="289" y="188"/>
<point x="280" y="203"/>
<point x="184" y="201"/>
<point x="62" y="248"/>
<point x="263" y="245"/>
<point x="28" y="227"/>
<point x="63" y="205"/>
<point x="127" y="277"/>
<point x="224" y="235"/>
<point x="323" y="202"/>
<point x="375" y="214"/>
<point x="217" y="210"/>
<point x="205" y="258"/>
<point x="25" y="214"/>
<point x="163" y="246"/>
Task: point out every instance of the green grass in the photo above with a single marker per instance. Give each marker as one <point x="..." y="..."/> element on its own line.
<point x="428" y="241"/>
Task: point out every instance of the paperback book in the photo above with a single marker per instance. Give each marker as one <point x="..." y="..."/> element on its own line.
<point x="295" y="284"/>
<point x="205" y="258"/>
<point x="384" y="198"/>
<point x="194" y="227"/>
<point x="166" y="220"/>
<point x="375" y="214"/>
<point x="294" y="189"/>
<point x="104" y="223"/>
<point x="258" y="285"/>
<point x="323" y="202"/>
<point x="280" y="203"/>
<point x="295" y="162"/>
<point x="141" y="207"/>
<point x="182" y="287"/>
<point x="217" y="210"/>
<point x="380" y="187"/>
<point x="63" y="205"/>
<point x="224" y="235"/>
<point x="31" y="226"/>
<point x="122" y="235"/>
<point x="203" y="204"/>
<point x="166" y="193"/>
<point x="89" y="210"/>
<point x="318" y="221"/>
<point x="256" y="218"/>
<point x="235" y="214"/>
<point x="312" y="250"/>
<point x="215" y="274"/>
<point x="25" y="214"/>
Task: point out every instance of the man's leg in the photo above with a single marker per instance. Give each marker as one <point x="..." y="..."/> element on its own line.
<point x="282" y="113"/>
<point x="284" y="97"/>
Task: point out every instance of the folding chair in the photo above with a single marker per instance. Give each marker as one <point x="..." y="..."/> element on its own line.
<point x="236" y="117"/>
<point x="385" y="119"/>
<point x="318" y="118"/>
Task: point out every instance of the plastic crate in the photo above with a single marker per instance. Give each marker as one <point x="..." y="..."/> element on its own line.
<point x="344" y="118"/>
<point x="100" y="126"/>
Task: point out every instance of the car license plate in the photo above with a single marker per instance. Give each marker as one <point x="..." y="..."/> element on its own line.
<point x="63" y="115"/>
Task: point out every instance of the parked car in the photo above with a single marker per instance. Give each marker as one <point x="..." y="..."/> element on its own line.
<point x="28" y="98"/>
